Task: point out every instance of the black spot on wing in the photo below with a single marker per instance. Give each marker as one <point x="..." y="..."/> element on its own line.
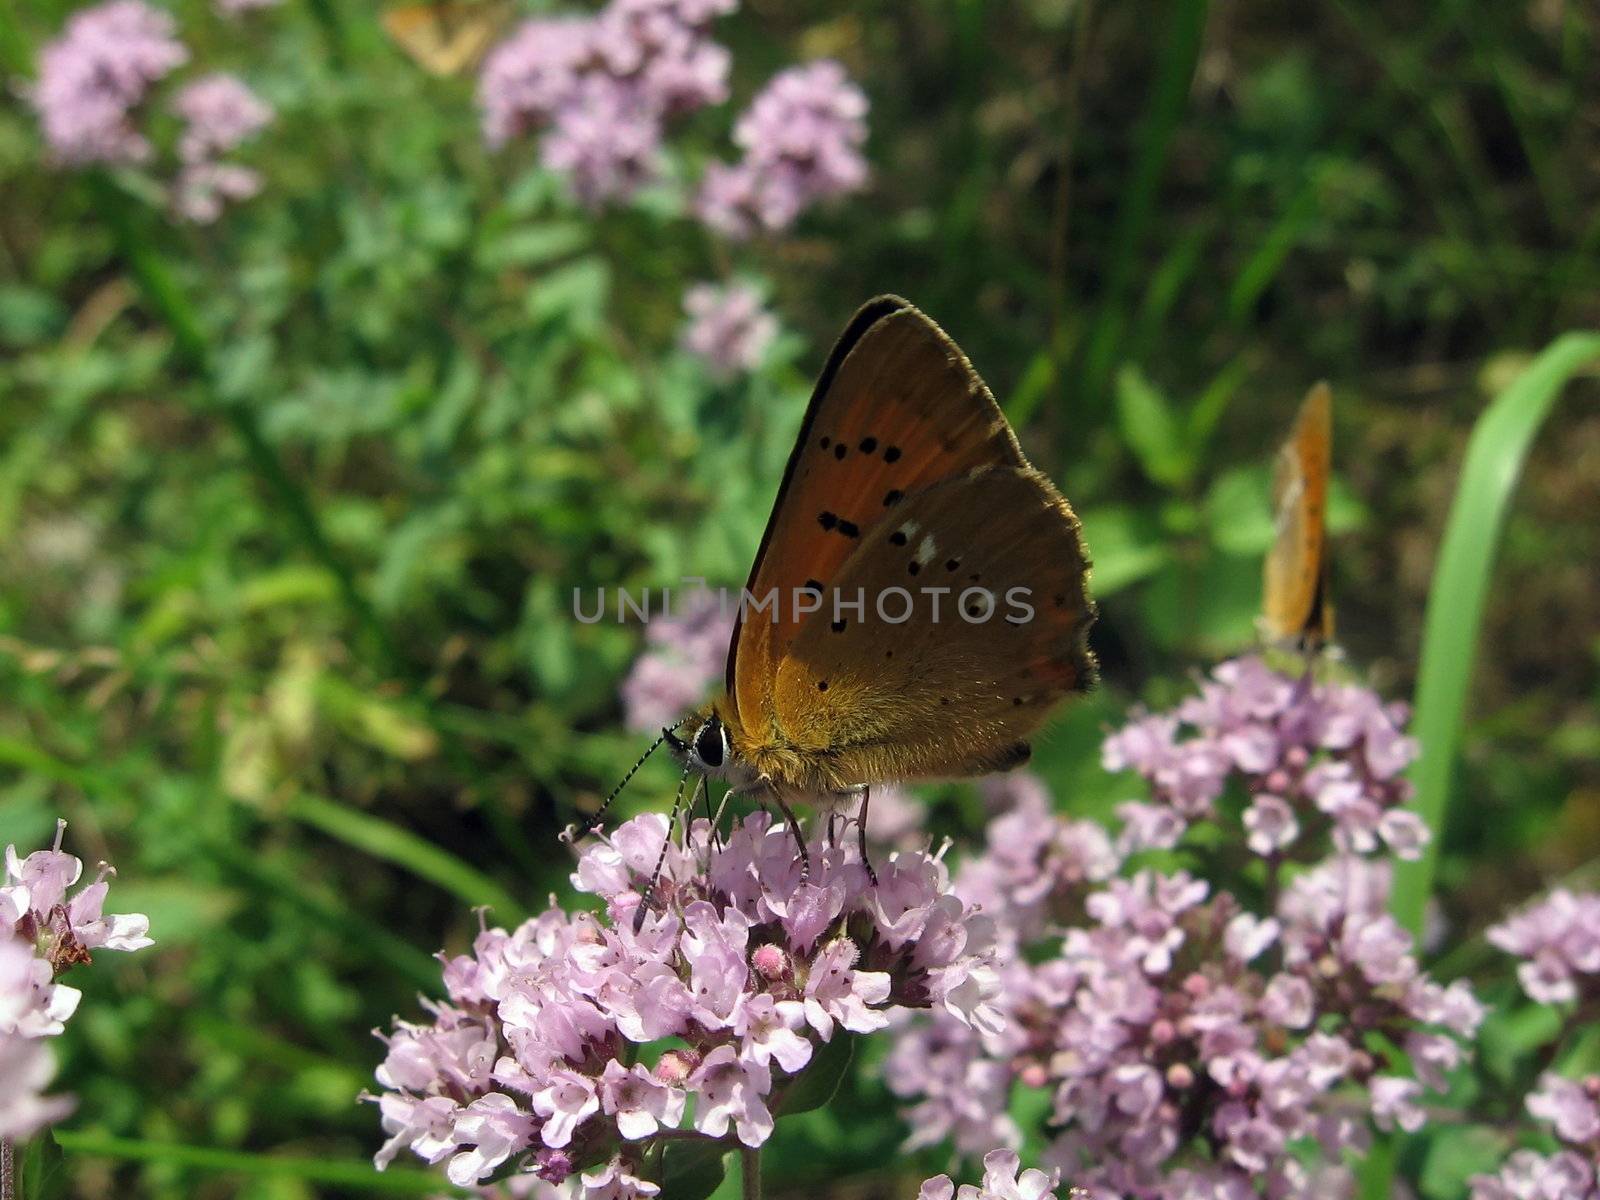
<point x="849" y="528"/>
<point x="868" y="445"/>
<point x="827" y="519"/>
<point x="891" y="454"/>
<point x="892" y="497"/>
<point x="897" y="538"/>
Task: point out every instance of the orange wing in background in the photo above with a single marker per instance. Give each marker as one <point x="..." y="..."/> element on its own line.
<point x="1294" y="603"/>
<point x="444" y="39"/>
<point x="897" y="409"/>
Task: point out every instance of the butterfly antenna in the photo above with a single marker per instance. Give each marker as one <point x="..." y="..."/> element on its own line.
<point x="593" y="822"/>
<point x="661" y="859"/>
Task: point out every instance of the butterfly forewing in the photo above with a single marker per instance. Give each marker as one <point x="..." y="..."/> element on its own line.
<point x="973" y="624"/>
<point x="898" y="408"/>
<point x="1294" y="601"/>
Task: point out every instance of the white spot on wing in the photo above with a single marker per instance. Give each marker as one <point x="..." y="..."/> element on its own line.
<point x="926" y="550"/>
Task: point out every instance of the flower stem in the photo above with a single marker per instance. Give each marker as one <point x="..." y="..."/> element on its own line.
<point x="749" y="1173"/>
<point x="8" y="1170"/>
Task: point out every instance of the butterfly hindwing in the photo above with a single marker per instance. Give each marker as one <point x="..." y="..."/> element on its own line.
<point x="897" y="409"/>
<point x="953" y="689"/>
<point x="1294" y="605"/>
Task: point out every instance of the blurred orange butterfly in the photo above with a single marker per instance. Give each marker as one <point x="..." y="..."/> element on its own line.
<point x="1295" y="606"/>
<point x="447" y="38"/>
<point x="906" y="483"/>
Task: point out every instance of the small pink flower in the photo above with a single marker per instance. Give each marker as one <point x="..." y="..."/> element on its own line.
<point x="565" y="1102"/>
<point x="638" y="1101"/>
<point x="732" y="1090"/>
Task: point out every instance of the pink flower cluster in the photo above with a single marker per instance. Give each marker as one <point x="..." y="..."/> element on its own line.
<point x="1572" y="1110"/>
<point x="1001" y="1181"/>
<point x="603" y="87"/>
<point x="219" y="113"/>
<point x="42" y="934"/>
<point x="1559" y="941"/>
<point x="684" y="657"/>
<point x="742" y="965"/>
<point x="1309" y="756"/>
<point x="1192" y="1043"/>
<point x="96" y="74"/>
<point x="802" y="139"/>
<point x="729" y="329"/>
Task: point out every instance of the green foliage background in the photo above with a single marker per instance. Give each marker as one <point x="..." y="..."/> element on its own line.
<point x="292" y="507"/>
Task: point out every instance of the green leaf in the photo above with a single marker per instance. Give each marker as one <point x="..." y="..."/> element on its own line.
<point x="41" y="1168"/>
<point x="1151" y="430"/>
<point x="377" y="837"/>
<point x="821" y="1077"/>
<point x="692" y="1169"/>
<point x="534" y="245"/>
<point x="1238" y="515"/>
<point x="1126" y="545"/>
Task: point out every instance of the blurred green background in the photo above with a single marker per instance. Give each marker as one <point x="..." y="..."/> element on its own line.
<point x="287" y="551"/>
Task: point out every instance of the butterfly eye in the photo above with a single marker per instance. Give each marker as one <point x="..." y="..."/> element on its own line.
<point x="710" y="742"/>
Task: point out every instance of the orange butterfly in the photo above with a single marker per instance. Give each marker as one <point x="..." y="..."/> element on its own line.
<point x="1295" y="607"/>
<point x="444" y="39"/>
<point x="906" y="478"/>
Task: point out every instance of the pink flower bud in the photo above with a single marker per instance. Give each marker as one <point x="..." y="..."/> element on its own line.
<point x="552" y="1166"/>
<point x="676" y="1065"/>
<point x="770" y="962"/>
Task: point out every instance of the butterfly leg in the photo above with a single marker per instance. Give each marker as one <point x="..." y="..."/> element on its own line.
<point x="794" y="829"/>
<point x="661" y="859"/>
<point x="861" y="832"/>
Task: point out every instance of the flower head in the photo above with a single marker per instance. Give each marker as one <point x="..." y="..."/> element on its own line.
<point x="601" y="88"/>
<point x="1189" y="1039"/>
<point x="219" y="113"/>
<point x="802" y="138"/>
<point x="729" y="329"/>
<point x="742" y="957"/>
<point x="44" y="932"/>
<point x="96" y="74"/>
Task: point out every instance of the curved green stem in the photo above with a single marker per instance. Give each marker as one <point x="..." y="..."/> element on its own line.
<point x="1495" y="454"/>
<point x="749" y="1173"/>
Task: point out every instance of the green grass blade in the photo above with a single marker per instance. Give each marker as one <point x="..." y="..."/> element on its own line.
<point x="420" y="968"/>
<point x="1185" y="24"/>
<point x="381" y="839"/>
<point x="1495" y="454"/>
<point x="359" y="1176"/>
